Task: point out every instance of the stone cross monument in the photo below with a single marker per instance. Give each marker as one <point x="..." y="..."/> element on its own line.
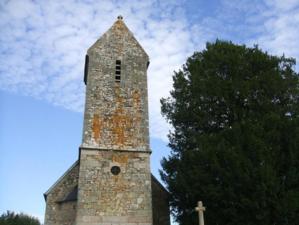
<point x="200" y="210"/>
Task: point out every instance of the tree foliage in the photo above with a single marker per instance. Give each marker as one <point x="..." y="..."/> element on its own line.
<point x="11" y="218"/>
<point x="235" y="142"/>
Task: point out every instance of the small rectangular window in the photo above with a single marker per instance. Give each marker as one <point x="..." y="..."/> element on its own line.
<point x="86" y="69"/>
<point x="117" y="70"/>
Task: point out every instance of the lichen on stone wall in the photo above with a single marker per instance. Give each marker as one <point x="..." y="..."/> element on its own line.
<point x="116" y="113"/>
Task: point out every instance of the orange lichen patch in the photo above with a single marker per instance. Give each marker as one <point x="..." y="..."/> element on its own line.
<point x="119" y="29"/>
<point x="121" y="127"/>
<point x="121" y="124"/>
<point x="120" y="158"/>
<point x="120" y="184"/>
<point x="136" y="99"/>
<point x="136" y="104"/>
<point x="115" y="178"/>
<point x="119" y="25"/>
<point x="96" y="127"/>
<point x="121" y="121"/>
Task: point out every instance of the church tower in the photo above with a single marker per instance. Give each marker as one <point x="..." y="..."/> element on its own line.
<point x="111" y="182"/>
<point x="114" y="176"/>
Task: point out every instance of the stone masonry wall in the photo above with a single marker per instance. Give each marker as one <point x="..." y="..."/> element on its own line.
<point x="114" y="199"/>
<point x="116" y="113"/>
<point x="160" y="201"/>
<point x="62" y="213"/>
<point x="115" y="133"/>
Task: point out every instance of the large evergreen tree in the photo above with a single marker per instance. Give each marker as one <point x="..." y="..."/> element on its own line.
<point x="235" y="142"/>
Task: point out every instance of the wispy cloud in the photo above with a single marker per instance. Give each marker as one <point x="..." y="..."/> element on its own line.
<point x="272" y="24"/>
<point x="43" y="43"/>
<point x="43" y="46"/>
<point x="280" y="29"/>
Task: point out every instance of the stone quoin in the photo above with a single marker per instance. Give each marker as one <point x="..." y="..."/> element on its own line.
<point x="111" y="182"/>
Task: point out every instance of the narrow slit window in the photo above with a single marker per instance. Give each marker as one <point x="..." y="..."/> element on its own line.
<point x="117" y="70"/>
<point x="86" y="69"/>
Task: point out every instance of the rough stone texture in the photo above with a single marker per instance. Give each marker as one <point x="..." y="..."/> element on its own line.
<point x="59" y="212"/>
<point x="116" y="113"/>
<point x="115" y="133"/>
<point x="160" y="201"/>
<point x="64" y="213"/>
<point x="117" y="199"/>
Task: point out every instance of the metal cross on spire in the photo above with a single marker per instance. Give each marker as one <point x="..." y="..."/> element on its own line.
<point x="200" y="210"/>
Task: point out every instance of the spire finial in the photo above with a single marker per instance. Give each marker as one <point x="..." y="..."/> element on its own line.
<point x="120" y="17"/>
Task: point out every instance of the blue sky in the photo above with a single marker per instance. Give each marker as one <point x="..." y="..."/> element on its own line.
<point x="42" y="51"/>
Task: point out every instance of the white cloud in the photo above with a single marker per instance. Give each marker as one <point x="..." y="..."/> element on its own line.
<point x="282" y="5"/>
<point x="44" y="43"/>
<point x="280" y="34"/>
<point x="272" y="24"/>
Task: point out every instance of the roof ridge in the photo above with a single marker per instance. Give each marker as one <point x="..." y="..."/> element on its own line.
<point x="61" y="178"/>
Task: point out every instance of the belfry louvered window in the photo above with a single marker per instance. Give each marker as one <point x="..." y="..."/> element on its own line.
<point x="117" y="70"/>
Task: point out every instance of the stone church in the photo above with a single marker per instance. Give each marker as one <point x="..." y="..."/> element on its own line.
<point x="111" y="183"/>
